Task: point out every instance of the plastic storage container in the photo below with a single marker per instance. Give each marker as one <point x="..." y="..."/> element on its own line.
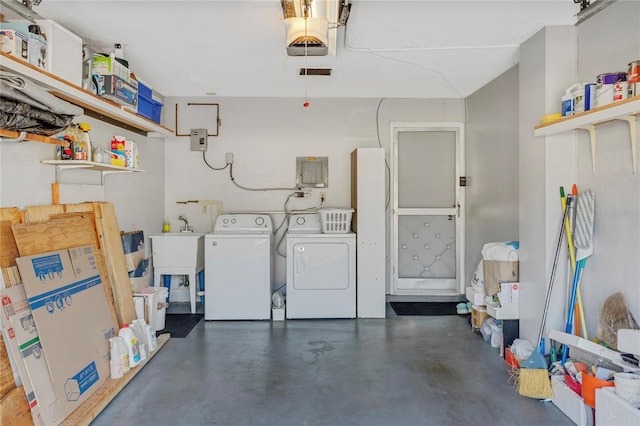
<point x="162" y="294"/>
<point x="335" y="221"/>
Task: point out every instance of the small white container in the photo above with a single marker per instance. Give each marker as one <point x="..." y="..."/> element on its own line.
<point x="132" y="344"/>
<point x="116" y="360"/>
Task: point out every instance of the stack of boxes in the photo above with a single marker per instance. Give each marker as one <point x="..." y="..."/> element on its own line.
<point x="55" y="49"/>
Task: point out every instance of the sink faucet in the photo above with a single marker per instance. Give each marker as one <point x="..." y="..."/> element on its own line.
<point x="186" y="227"/>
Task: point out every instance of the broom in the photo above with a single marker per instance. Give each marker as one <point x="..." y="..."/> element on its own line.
<point x="533" y="380"/>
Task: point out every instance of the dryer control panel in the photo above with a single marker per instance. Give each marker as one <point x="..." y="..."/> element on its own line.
<point x="305" y="223"/>
<point x="240" y="223"/>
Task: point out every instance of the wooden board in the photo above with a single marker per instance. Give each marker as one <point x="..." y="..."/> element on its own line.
<point x="11" y="276"/>
<point x="7" y="381"/>
<point x="52" y="235"/>
<point x="97" y="402"/>
<point x="79" y="207"/>
<point x="12" y="214"/>
<point x="66" y="231"/>
<point x="42" y="213"/>
<point x="14" y="409"/>
<point x="109" y="232"/>
<point x="8" y="248"/>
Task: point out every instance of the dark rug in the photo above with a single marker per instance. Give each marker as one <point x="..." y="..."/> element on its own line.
<point x="424" y="308"/>
<point x="180" y="325"/>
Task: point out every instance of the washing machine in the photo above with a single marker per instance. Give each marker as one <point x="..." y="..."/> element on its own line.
<point x="237" y="268"/>
<point x="321" y="270"/>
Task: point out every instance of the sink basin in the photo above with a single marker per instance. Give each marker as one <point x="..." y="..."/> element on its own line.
<point x="177" y="249"/>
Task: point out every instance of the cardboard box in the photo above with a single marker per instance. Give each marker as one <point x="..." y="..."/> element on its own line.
<point x="107" y="65"/>
<point x="66" y="298"/>
<point x="116" y="89"/>
<point x="134" y="248"/>
<point x="496" y="272"/>
<point x="15" y="43"/>
<point x="26" y="348"/>
<point x="478" y="315"/>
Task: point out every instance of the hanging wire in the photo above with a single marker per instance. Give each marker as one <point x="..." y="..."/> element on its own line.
<point x="210" y="166"/>
<point x="245" y="188"/>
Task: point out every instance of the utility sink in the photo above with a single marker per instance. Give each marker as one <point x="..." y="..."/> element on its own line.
<point x="177" y="249"/>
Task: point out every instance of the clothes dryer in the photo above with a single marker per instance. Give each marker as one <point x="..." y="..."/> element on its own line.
<point x="321" y="270"/>
<point x="238" y="268"/>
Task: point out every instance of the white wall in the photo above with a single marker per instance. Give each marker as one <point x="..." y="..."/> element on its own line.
<point x="551" y="61"/>
<point x="266" y="135"/>
<point x="491" y="166"/>
<point x="606" y="43"/>
<point x="138" y="198"/>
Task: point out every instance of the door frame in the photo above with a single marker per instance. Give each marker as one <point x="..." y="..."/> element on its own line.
<point x="395" y="128"/>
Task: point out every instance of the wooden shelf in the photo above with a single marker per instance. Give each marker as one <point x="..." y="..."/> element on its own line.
<point x="30" y="137"/>
<point x="94" y="105"/>
<point x="103" y="168"/>
<point x="626" y="110"/>
<point x="97" y="402"/>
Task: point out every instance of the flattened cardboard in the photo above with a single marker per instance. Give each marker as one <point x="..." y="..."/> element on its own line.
<point x="499" y="271"/>
<point x="34" y="372"/>
<point x="65" y="294"/>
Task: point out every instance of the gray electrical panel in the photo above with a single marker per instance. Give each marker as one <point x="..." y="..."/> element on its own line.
<point x="198" y="139"/>
<point x="312" y="172"/>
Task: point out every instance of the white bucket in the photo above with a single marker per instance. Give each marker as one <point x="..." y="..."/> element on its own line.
<point x="162" y="293"/>
<point x="628" y="387"/>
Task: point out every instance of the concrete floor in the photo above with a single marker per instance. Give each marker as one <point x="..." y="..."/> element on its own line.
<point x="395" y="371"/>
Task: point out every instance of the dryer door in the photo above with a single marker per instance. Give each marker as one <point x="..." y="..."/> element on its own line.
<point x="320" y="265"/>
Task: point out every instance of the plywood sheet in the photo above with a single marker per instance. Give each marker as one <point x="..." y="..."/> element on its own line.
<point x="7" y="381"/>
<point x="42" y="213"/>
<point x="76" y="230"/>
<point x="109" y="232"/>
<point x="8" y="248"/>
<point x="12" y="214"/>
<point x="14" y="409"/>
<point x="79" y="207"/>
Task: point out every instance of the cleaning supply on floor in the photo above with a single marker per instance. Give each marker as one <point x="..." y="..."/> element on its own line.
<point x="132" y="344"/>
<point x="149" y="337"/>
<point x="139" y="333"/>
<point x="123" y="351"/>
<point x="115" y="361"/>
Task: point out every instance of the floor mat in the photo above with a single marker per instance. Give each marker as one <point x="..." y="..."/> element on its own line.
<point x="424" y="308"/>
<point x="180" y="325"/>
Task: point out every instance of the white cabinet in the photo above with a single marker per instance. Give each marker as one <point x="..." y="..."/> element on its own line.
<point x="368" y="200"/>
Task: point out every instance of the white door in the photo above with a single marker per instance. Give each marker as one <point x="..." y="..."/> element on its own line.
<point x="427" y="232"/>
<point x="321" y="266"/>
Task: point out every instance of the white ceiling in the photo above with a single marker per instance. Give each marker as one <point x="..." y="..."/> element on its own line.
<point x="390" y="48"/>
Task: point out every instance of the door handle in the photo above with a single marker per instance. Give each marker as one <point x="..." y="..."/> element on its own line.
<point x="300" y="266"/>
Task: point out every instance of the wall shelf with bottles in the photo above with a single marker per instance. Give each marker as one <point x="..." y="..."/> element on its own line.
<point x="95" y="106"/>
<point x="103" y="168"/>
<point x="11" y="136"/>
<point x="626" y="110"/>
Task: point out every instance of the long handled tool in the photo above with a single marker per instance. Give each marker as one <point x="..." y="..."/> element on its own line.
<point x="533" y="378"/>
<point x="571" y="248"/>
<point x="584" y="227"/>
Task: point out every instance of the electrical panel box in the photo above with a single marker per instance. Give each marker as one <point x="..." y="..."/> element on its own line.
<point x="198" y="139"/>
<point x="312" y="172"/>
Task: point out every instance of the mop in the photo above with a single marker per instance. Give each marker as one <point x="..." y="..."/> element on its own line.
<point x="533" y="378"/>
<point x="584" y="246"/>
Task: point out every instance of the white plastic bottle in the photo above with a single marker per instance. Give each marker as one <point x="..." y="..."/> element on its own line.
<point x="132" y="344"/>
<point x="150" y="338"/>
<point x="116" y="360"/>
<point x="123" y="350"/>
<point x="139" y="332"/>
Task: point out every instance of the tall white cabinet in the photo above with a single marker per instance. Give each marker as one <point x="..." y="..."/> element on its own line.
<point x="368" y="201"/>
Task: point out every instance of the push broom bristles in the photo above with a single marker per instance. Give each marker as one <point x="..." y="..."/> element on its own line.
<point x="534" y="383"/>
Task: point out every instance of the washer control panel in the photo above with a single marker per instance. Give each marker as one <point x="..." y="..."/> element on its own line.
<point x="243" y="223"/>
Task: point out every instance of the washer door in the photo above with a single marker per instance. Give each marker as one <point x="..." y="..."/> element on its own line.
<point x="321" y="266"/>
